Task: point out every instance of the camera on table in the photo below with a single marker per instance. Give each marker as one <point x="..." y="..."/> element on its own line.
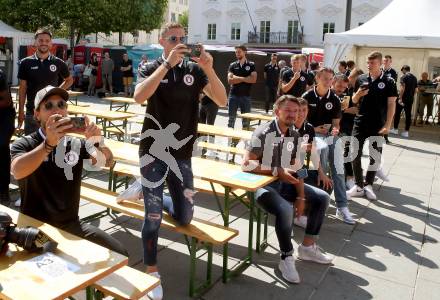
<point x="30" y="238"/>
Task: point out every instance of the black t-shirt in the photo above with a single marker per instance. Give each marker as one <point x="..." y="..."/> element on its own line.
<point x="39" y="74"/>
<point x="410" y="82"/>
<point x="347" y="120"/>
<point x="301" y="83"/>
<point x="176" y="100"/>
<point x="128" y="73"/>
<point x="52" y="193"/>
<point x="95" y="64"/>
<point x="391" y="73"/>
<point x="322" y="110"/>
<point x="425" y="85"/>
<point x="272" y="75"/>
<point x="373" y="107"/>
<point x="273" y="148"/>
<point x="206" y="100"/>
<point x="245" y="70"/>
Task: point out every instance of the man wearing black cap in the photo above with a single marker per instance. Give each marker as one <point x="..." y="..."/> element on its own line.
<point x="36" y="72"/>
<point x="48" y="166"/>
<point x="7" y="117"/>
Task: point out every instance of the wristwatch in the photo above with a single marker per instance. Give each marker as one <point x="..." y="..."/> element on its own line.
<point x="167" y="65"/>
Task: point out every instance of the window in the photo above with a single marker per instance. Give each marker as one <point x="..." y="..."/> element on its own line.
<point x="235" y="31"/>
<point x="265" y="32"/>
<point x="212" y="31"/>
<point x="173" y="17"/>
<point x="328" y="28"/>
<point x="292" y="32"/>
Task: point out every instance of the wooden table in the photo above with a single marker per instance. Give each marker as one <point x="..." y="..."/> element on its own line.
<point x="227" y="175"/>
<point x="20" y="281"/>
<point x="119" y="103"/>
<point x="235" y="134"/>
<point x="105" y="118"/>
<point x="73" y="97"/>
<point x="256" y="117"/>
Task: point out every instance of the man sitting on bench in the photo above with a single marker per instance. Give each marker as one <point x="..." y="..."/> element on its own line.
<point x="48" y="166"/>
<point x="273" y="151"/>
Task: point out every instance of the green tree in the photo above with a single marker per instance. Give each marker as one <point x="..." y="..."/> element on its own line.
<point x="183" y="20"/>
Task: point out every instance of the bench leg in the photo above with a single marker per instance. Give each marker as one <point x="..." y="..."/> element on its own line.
<point x="195" y="290"/>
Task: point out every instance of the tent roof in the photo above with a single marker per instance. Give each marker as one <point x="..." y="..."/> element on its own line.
<point x="403" y="23"/>
<point x="9" y="31"/>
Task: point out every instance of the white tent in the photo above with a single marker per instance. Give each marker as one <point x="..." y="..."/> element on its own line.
<point x="407" y="30"/>
<point x="18" y="38"/>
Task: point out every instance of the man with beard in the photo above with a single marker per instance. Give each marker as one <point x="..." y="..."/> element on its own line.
<point x="241" y="76"/>
<point x="36" y="72"/>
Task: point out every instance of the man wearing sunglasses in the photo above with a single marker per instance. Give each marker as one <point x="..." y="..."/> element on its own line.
<point x="172" y="86"/>
<point x="48" y="166"/>
<point x="36" y="72"/>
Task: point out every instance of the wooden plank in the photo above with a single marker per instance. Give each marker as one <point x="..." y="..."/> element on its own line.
<point x="202" y="230"/>
<point x="221" y="148"/>
<point x="118" y="99"/>
<point x="224" y="131"/>
<point x="127" y="283"/>
<point x="256" y="117"/>
<point x="105" y="114"/>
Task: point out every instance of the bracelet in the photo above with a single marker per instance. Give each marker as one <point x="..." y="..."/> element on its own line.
<point x="48" y="147"/>
<point x="301" y="198"/>
<point x="167" y="65"/>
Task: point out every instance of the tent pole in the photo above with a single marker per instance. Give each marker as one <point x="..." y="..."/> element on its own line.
<point x="348" y="15"/>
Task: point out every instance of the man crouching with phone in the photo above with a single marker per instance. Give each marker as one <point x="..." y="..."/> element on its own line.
<point x="48" y="166"/>
<point x="273" y="151"/>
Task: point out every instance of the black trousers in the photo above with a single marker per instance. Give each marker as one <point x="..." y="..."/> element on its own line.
<point x="94" y="235"/>
<point x="408" y="103"/>
<point x="271" y="95"/>
<point x="7" y="117"/>
<point x="375" y="153"/>
<point x="208" y="113"/>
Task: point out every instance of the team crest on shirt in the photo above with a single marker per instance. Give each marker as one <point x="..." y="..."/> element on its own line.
<point x="247" y="68"/>
<point x="381" y="85"/>
<point x="188" y="79"/>
<point x="302" y="78"/>
<point x="289" y="146"/>
<point x="305" y="138"/>
<point x="329" y="106"/>
<point x="71" y="158"/>
<point x="53" y="68"/>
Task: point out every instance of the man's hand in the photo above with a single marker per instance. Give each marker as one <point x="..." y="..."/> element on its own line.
<point x="326" y="182"/>
<point x="20" y="119"/>
<point x="176" y="55"/>
<point x="352" y="110"/>
<point x="335" y="131"/>
<point x="286" y="176"/>
<point x="55" y="130"/>
<point x="383" y="131"/>
<point x="91" y="129"/>
<point x="321" y="129"/>
<point x="359" y="94"/>
<point x="299" y="207"/>
<point x="205" y="61"/>
<point x="296" y="76"/>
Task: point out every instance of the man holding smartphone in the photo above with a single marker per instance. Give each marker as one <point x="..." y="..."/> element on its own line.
<point x="295" y="81"/>
<point x="48" y="166"/>
<point x="172" y="86"/>
<point x="376" y="94"/>
<point x="273" y="150"/>
<point x="325" y="115"/>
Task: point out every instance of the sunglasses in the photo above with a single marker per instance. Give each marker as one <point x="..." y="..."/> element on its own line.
<point x="174" y="39"/>
<point x="60" y="104"/>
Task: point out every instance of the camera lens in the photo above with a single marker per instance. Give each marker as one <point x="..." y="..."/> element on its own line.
<point x="23" y="237"/>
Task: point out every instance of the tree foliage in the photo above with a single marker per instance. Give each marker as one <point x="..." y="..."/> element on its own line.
<point x="80" y="17"/>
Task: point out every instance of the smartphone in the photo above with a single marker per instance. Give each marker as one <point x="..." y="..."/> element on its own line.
<point x="195" y="50"/>
<point x="365" y="86"/>
<point x="79" y="123"/>
<point x="302" y="173"/>
<point x="327" y="126"/>
<point x="346" y="100"/>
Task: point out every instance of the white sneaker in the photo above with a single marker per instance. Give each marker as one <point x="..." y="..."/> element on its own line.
<point x="17" y="203"/>
<point x="381" y="175"/>
<point x="394" y="131"/>
<point x="300" y="221"/>
<point x="356" y="191"/>
<point x="405" y="134"/>
<point x="369" y="192"/>
<point x="157" y="292"/>
<point x="349" y="184"/>
<point x="313" y="253"/>
<point x="288" y="269"/>
<point x="345" y="215"/>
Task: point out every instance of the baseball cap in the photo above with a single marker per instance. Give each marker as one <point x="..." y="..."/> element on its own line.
<point x="49" y="90"/>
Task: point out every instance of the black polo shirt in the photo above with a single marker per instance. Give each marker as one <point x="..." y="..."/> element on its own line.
<point x="243" y="88"/>
<point x="410" y="82"/>
<point x="128" y="73"/>
<point x="300" y="85"/>
<point x="306" y="132"/>
<point x="273" y="148"/>
<point x="39" y="74"/>
<point x="52" y="193"/>
<point x="322" y="110"/>
<point x="347" y="120"/>
<point x="373" y="107"/>
<point x="426" y="85"/>
<point x="391" y="73"/>
<point x="176" y="100"/>
<point x="272" y="75"/>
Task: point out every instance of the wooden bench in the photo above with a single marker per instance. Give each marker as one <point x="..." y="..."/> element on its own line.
<point x="113" y="131"/>
<point x="222" y="148"/>
<point x="203" y="234"/>
<point x="126" y="283"/>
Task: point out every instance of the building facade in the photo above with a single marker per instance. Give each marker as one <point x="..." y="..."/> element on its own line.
<point x="175" y="9"/>
<point x="274" y="23"/>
